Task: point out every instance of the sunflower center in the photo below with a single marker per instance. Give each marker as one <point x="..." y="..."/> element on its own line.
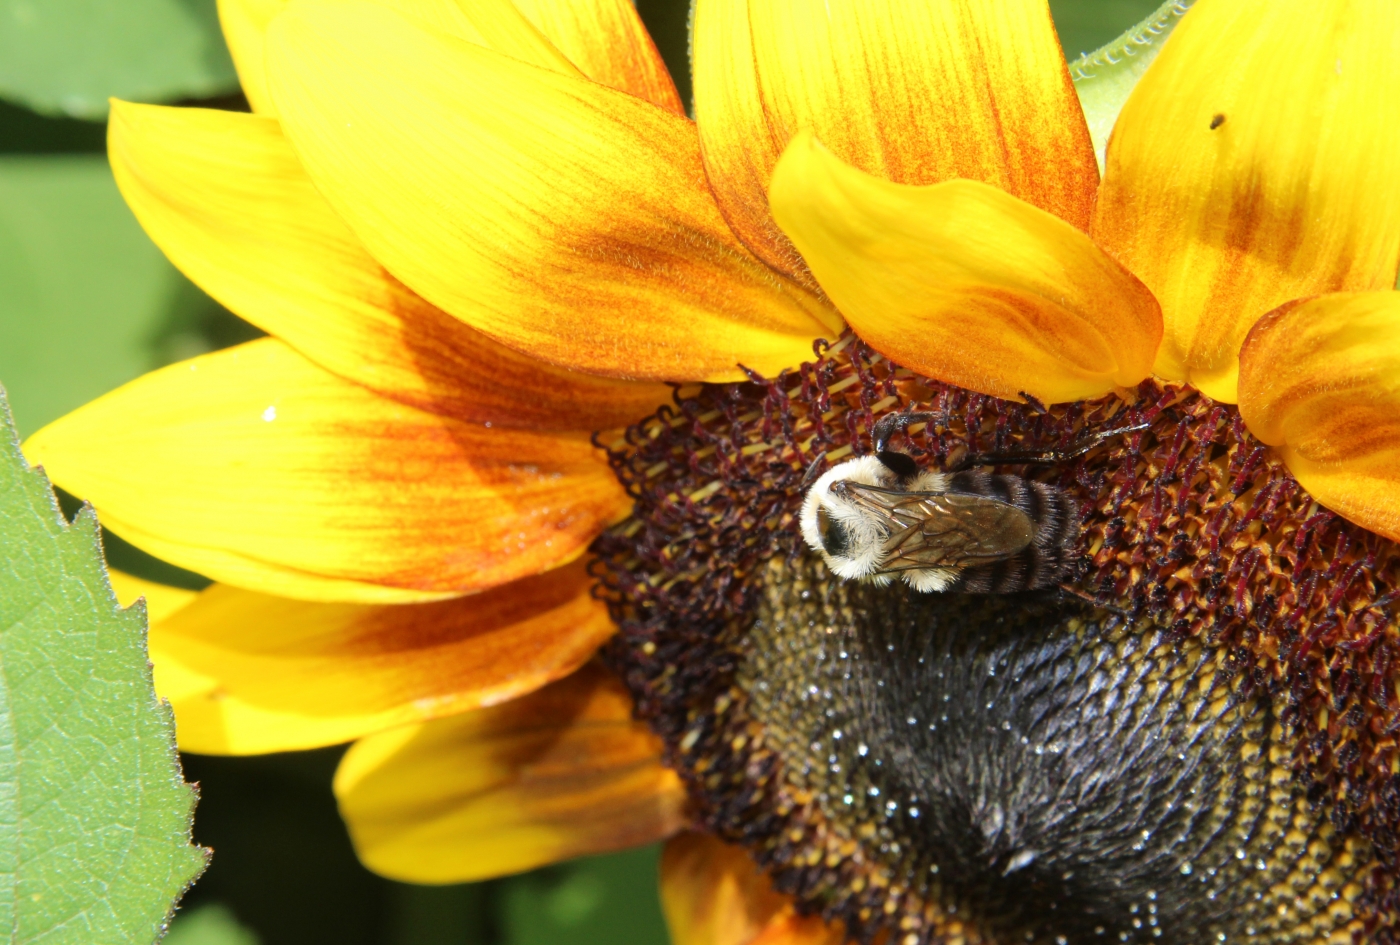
<point x="998" y="768"/>
<point x="1022" y="770"/>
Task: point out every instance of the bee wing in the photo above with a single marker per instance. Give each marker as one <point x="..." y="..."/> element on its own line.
<point x="944" y="529"/>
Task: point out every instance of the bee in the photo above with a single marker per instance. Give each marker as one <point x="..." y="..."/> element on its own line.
<point x="881" y="516"/>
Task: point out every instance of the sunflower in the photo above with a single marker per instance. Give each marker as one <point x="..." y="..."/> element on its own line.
<point x="550" y="362"/>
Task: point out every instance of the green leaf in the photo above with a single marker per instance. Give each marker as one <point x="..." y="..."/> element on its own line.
<point x="66" y="57"/>
<point x="597" y="900"/>
<point x="87" y="301"/>
<point x="25" y="132"/>
<point x="213" y="924"/>
<point x="1104" y="78"/>
<point x="83" y="291"/>
<point x="94" y="814"/>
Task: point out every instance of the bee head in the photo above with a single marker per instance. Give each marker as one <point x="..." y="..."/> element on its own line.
<point x="835" y="539"/>
<point x="848" y="538"/>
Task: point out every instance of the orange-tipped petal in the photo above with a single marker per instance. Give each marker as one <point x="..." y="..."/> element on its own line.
<point x="560" y="773"/>
<point x="1320" y="382"/>
<point x="714" y="894"/>
<point x="963" y="282"/>
<point x="497" y="24"/>
<point x="607" y="41"/>
<point x="283" y="675"/>
<point x="916" y="93"/>
<point x="259" y="469"/>
<point x="224" y="195"/>
<point x="793" y="929"/>
<point x="1257" y="161"/>
<point x="563" y="218"/>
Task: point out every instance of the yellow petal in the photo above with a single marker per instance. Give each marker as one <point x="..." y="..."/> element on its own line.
<point x="224" y="195"/>
<point x="916" y="93"/>
<point x="285" y="675"/>
<point x="714" y="894"/>
<point x="1320" y="382"/>
<point x="259" y="469"/>
<point x="162" y="600"/>
<point x="560" y="773"/>
<point x="565" y="219"/>
<point x="497" y="24"/>
<point x="966" y="283"/>
<point x="607" y="41"/>
<point x="245" y="24"/>
<point x="1257" y="161"/>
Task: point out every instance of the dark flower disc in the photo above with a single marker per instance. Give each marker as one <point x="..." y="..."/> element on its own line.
<point x="1193" y="741"/>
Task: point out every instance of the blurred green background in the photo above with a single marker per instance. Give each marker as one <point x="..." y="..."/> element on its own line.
<point x="87" y="303"/>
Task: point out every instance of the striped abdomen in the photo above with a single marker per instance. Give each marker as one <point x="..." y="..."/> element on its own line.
<point x="1048" y="559"/>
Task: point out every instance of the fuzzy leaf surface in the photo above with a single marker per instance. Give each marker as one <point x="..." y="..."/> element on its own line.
<point x="94" y="812"/>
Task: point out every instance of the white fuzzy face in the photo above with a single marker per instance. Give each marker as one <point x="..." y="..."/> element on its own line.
<point x="850" y="539"/>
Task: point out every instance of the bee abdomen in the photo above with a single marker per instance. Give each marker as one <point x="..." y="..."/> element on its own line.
<point x="1048" y="558"/>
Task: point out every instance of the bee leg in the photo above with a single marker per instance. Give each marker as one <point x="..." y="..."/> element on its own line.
<point x="1048" y="457"/>
<point x="890" y="424"/>
<point x="813" y="471"/>
<point x="1092" y="601"/>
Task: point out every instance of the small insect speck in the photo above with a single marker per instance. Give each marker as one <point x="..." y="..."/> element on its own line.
<point x="1217" y="121"/>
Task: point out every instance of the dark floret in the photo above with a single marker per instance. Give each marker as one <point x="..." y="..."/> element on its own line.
<point x="1230" y="703"/>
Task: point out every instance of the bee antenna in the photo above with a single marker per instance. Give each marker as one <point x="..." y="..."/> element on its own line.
<point x="901" y="464"/>
<point x="814" y="470"/>
<point x="1048" y="457"/>
<point x="1091" y="441"/>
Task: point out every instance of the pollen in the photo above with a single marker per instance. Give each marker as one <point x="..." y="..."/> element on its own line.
<point x="1194" y="738"/>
